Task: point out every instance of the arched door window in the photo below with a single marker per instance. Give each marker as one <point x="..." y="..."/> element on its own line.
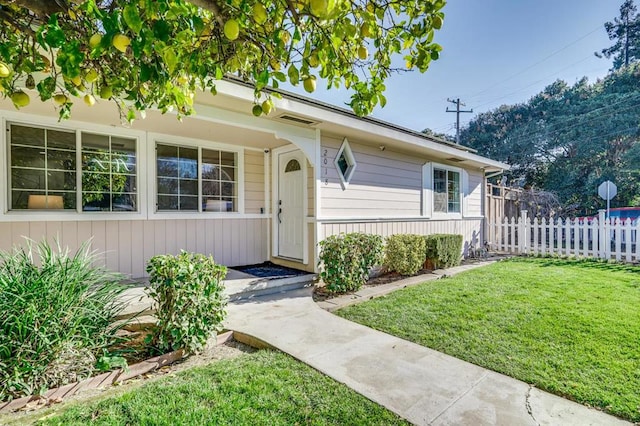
<point x="292" y="166"/>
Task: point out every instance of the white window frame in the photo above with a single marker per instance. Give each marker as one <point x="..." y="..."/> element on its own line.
<point x="154" y="139"/>
<point x="345" y="149"/>
<point x="28" y="120"/>
<point x="428" y="170"/>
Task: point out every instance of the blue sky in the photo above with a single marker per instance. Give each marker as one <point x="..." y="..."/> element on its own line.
<point x="497" y="52"/>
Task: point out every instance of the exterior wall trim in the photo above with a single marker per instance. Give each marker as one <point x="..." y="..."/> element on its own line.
<point x="389" y="219"/>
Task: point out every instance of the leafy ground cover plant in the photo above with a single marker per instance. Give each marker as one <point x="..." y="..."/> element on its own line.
<point x="57" y="315"/>
<point x="346" y="260"/>
<point x="404" y="253"/>
<point x="187" y="295"/>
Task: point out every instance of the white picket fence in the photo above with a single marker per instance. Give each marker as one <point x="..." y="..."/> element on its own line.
<point x="583" y="237"/>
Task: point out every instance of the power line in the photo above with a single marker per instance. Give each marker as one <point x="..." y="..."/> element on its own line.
<point x="536" y="63"/>
<point x="458" y="111"/>
<point x="582" y="117"/>
<point x="534" y="83"/>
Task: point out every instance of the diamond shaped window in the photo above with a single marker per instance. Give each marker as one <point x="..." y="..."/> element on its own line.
<point x="345" y="163"/>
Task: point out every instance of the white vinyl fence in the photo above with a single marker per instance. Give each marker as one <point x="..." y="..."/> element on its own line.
<point x="584" y="237"/>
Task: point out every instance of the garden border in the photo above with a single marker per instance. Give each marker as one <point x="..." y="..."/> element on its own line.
<point x="56" y="395"/>
<point x="368" y="293"/>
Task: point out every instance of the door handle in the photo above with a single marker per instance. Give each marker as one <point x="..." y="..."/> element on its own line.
<point x="279" y="213"/>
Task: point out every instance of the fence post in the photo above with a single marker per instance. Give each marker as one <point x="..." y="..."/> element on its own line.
<point x="604" y="242"/>
<point x="522" y="232"/>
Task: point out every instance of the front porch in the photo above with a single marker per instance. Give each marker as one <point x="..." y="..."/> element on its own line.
<point x="238" y="285"/>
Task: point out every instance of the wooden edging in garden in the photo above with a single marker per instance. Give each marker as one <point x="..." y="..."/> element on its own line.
<point x="53" y="396"/>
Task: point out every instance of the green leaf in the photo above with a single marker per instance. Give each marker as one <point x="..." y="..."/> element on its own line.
<point x="294" y="75"/>
<point x="46" y="88"/>
<point x="54" y="36"/>
<point x="170" y="59"/>
<point x="132" y="18"/>
<point x="131" y="115"/>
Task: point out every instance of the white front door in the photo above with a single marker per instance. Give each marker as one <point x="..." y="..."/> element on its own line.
<point x="290" y="205"/>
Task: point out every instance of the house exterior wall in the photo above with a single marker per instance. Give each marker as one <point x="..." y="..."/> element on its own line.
<point x="468" y="228"/>
<point x="128" y="239"/>
<point x="254" y="178"/>
<point x="387" y="194"/>
<point x="126" y="245"/>
<point x="384" y="184"/>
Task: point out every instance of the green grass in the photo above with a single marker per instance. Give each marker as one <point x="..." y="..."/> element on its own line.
<point x="569" y="327"/>
<point x="262" y="388"/>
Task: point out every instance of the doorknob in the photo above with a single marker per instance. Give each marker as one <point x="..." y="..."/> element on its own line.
<point x="279" y="211"/>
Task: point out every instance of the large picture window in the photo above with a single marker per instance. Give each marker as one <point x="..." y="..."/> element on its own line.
<point x="196" y="179"/>
<point x="108" y="173"/>
<point x="44" y="170"/>
<point x="446" y="191"/>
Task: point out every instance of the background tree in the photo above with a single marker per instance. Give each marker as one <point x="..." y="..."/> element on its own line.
<point x="438" y="135"/>
<point x="158" y="53"/>
<point x="625" y="31"/>
<point x="569" y="139"/>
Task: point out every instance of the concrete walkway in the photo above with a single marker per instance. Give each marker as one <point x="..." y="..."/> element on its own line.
<point x="423" y="386"/>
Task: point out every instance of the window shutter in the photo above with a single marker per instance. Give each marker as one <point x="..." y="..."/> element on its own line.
<point x="427" y="190"/>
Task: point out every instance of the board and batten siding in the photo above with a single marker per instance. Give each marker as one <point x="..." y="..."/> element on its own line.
<point x="468" y="228"/>
<point x="384" y="184"/>
<point x="126" y="245"/>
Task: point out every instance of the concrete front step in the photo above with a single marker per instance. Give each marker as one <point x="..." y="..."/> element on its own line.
<point x="249" y="288"/>
<point x="238" y="286"/>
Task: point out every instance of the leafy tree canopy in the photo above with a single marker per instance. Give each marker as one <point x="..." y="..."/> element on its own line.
<point x="569" y="139"/>
<point x="625" y="32"/>
<point x="157" y="53"/>
<point x="438" y="135"/>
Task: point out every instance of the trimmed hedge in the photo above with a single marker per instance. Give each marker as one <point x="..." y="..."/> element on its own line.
<point x="405" y="253"/>
<point x="347" y="258"/>
<point x="443" y="250"/>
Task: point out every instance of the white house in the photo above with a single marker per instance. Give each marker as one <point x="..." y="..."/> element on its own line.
<point x="245" y="189"/>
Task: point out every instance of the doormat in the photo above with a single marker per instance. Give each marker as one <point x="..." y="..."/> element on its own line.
<point x="270" y="270"/>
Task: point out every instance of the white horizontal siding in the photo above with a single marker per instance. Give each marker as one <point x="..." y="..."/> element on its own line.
<point x="127" y="245"/>
<point x="253" y="182"/>
<point x="385" y="183"/>
<point x="474" y="194"/>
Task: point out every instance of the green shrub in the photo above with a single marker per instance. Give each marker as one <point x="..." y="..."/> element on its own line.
<point x="346" y="260"/>
<point x="404" y="253"/>
<point x="443" y="250"/>
<point x="57" y="315"/>
<point x="187" y="293"/>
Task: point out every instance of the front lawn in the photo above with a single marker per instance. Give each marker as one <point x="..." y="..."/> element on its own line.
<point x="568" y="327"/>
<point x="262" y="388"/>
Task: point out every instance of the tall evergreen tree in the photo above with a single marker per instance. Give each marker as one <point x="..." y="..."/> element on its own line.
<point x="625" y="31"/>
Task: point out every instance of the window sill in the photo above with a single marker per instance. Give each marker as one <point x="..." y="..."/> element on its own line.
<point x="446" y="216"/>
<point x="66" y="216"/>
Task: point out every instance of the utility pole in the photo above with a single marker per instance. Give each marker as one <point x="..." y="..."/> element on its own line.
<point x="458" y="104"/>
